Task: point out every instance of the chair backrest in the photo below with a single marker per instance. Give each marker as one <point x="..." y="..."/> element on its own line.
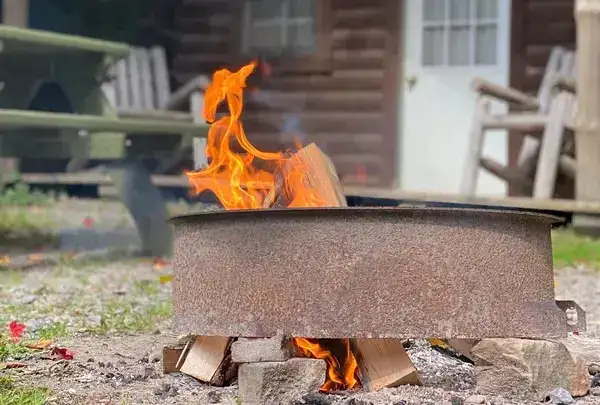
<point x="140" y="82"/>
<point x="560" y="63"/>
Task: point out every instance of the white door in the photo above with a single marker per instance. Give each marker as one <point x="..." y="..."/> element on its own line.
<point x="446" y="44"/>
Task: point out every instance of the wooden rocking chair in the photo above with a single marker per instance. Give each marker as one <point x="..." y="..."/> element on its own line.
<point x="546" y="117"/>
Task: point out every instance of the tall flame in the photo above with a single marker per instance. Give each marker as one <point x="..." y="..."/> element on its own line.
<point x="239" y="184"/>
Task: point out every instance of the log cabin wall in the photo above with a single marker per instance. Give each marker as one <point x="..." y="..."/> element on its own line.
<point x="350" y="110"/>
<point x="536" y="26"/>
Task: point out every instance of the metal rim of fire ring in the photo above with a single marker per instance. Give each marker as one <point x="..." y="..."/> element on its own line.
<point x="366" y="272"/>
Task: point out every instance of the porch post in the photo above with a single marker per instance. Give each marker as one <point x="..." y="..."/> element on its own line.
<point x="16" y="13"/>
<point x="587" y="119"/>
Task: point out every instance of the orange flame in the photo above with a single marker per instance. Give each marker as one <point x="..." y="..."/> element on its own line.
<point x="238" y="184"/>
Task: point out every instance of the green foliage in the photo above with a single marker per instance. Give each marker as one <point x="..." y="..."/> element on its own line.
<point x="570" y="249"/>
<point x="19" y="195"/>
<point x="10" y="394"/>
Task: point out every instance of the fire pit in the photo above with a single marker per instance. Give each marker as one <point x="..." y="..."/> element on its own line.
<point x="366" y="273"/>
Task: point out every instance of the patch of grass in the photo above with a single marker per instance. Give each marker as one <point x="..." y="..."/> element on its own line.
<point x="51" y="332"/>
<point x="12" y="351"/>
<point x="10" y="394"/>
<point x="570" y="249"/>
<point x="124" y="316"/>
<point x="24" y="227"/>
<point x="18" y="194"/>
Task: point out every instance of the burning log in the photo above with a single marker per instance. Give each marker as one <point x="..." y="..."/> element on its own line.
<point x="314" y="170"/>
<point x="208" y="359"/>
<point x="384" y="363"/>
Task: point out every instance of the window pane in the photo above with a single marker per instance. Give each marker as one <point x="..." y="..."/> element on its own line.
<point x="460" y="10"/>
<point x="486" y="44"/>
<point x="302" y="8"/>
<point x="486" y="8"/>
<point x="434" y="10"/>
<point x="458" y="51"/>
<point x="264" y="9"/>
<point x="433" y="46"/>
<point x="267" y="39"/>
<point x="301" y="38"/>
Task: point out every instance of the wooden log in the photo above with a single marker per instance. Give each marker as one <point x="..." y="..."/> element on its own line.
<point x="209" y="360"/>
<point x="318" y="173"/>
<point x="519" y="122"/>
<point x="507" y="94"/>
<point x="383" y="363"/>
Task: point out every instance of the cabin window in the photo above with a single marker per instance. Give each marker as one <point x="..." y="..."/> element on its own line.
<point x="280" y="28"/>
<point x="460" y="33"/>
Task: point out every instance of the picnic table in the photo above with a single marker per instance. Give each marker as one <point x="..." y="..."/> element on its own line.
<point x="77" y="120"/>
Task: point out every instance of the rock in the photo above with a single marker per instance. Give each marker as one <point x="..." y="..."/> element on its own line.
<point x="584" y="347"/>
<point x="213" y="397"/>
<point x="475" y="400"/>
<point x="316" y="398"/>
<point x="94" y="321"/>
<point x="456" y="401"/>
<point x="595" y="391"/>
<point x="279" y="382"/>
<point x="355" y="401"/>
<point x="527" y="369"/>
<point x="28" y="299"/>
<point x="594" y="368"/>
<point x="155" y="357"/>
<point x="246" y="350"/>
<point x="595" y="381"/>
<point x="560" y="396"/>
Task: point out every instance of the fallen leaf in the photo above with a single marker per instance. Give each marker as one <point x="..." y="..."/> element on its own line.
<point x="88" y="222"/>
<point x="159" y="263"/>
<point x="165" y="279"/>
<point x="62" y="353"/>
<point x="16" y="331"/>
<point x="35" y="257"/>
<point x="39" y="345"/>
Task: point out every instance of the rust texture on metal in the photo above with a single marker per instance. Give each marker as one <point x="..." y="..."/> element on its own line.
<point x="366" y="273"/>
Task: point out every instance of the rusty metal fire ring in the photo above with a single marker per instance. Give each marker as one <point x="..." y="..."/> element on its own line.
<point x="366" y="272"/>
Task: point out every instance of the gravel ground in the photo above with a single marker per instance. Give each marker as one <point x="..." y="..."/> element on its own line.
<point x="114" y="317"/>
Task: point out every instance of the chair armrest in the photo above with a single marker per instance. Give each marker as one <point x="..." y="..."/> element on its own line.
<point x="506" y="94"/>
<point x="179" y="97"/>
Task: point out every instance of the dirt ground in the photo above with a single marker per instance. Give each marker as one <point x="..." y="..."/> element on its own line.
<point x="114" y="317"/>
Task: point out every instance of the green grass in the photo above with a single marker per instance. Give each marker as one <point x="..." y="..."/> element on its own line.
<point x="570" y="249"/>
<point x="11" y="394"/>
<point x="122" y="316"/>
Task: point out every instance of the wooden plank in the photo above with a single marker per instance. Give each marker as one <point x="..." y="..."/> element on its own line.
<point x="205" y="357"/>
<point x="97" y="123"/>
<point x="521" y="122"/>
<point x="468" y="185"/>
<point x="503" y="93"/>
<point x="121" y="80"/>
<point x="551" y="146"/>
<point x="160" y="73"/>
<point x="67" y="41"/>
<point x="384" y="363"/>
<point x="142" y="57"/>
<point x="134" y="82"/>
<point x="558" y="205"/>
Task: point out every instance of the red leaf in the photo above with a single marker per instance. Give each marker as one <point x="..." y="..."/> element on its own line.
<point x="16" y="331"/>
<point x="88" y="222"/>
<point x="62" y="353"/>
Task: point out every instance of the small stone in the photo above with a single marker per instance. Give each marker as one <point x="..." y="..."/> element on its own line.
<point x="456" y="401"/>
<point x="90" y="360"/>
<point x="316" y="398"/>
<point x="94" y="320"/>
<point x="354" y="401"/>
<point x="279" y="382"/>
<point x="28" y="299"/>
<point x="401" y="402"/>
<point x="594" y="368"/>
<point x="595" y="391"/>
<point x="154" y="357"/>
<point x="560" y="396"/>
<point x="475" y="399"/>
<point x="213" y="397"/>
<point x="250" y="350"/>
<point x="101" y="364"/>
<point x="595" y="381"/>
<point x="527" y="368"/>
